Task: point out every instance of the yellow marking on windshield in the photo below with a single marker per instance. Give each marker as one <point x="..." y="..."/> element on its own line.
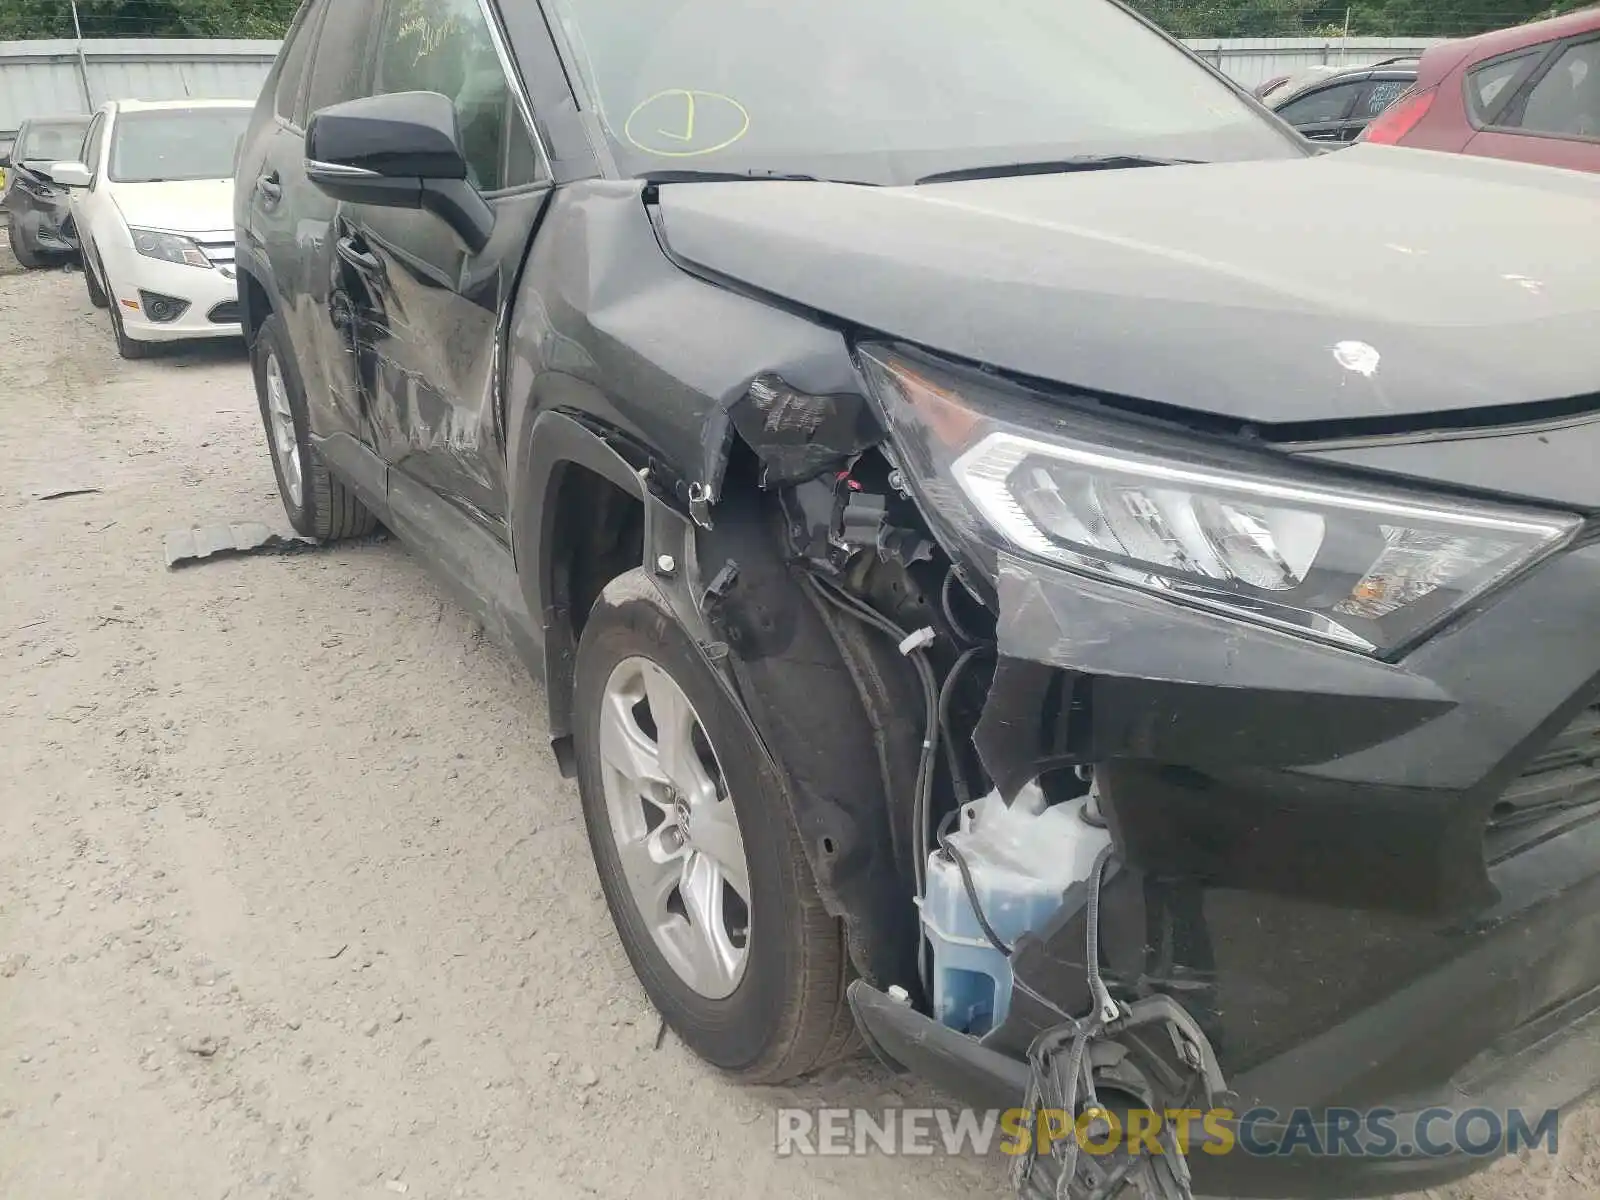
<point x="679" y="116"/>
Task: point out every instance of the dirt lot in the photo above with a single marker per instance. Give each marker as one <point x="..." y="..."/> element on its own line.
<point x="292" y="900"/>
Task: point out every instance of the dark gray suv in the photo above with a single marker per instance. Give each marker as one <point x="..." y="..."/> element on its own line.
<point x="1007" y="592"/>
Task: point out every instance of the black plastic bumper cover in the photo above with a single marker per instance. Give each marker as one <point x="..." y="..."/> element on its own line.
<point x="1314" y="860"/>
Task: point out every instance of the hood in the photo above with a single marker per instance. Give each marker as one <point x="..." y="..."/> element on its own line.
<point x="1372" y="282"/>
<point x="193" y="206"/>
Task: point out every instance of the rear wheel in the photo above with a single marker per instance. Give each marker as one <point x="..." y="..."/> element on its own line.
<point x="697" y="852"/>
<point x="318" y="505"/>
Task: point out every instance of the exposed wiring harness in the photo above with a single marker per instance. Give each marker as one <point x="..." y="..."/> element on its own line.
<point x="912" y="647"/>
<point x="936" y="699"/>
<point x="1062" y="1072"/>
<point x="962" y="633"/>
<point x="1061" y="1066"/>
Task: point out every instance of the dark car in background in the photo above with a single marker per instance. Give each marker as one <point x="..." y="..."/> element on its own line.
<point x="1336" y="106"/>
<point x="1006" y="583"/>
<point x="1529" y="93"/>
<point x="36" y="207"/>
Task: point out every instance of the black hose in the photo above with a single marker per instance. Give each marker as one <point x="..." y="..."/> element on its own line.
<point x="960" y="630"/>
<point x="960" y="861"/>
<point x="930" y="694"/>
<point x="958" y="779"/>
<point x="1105" y="1006"/>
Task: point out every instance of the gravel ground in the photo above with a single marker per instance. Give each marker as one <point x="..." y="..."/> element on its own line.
<point x="293" y="902"/>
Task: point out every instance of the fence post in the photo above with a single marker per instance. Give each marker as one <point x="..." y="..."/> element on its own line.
<point x="83" y="61"/>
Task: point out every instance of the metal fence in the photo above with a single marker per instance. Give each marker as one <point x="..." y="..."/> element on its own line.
<point x="1255" y="60"/>
<point x="57" y="78"/>
<point x="39" y="79"/>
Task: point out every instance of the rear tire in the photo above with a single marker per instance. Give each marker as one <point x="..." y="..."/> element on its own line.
<point x="781" y="1013"/>
<point x="26" y="255"/>
<point x="318" y="504"/>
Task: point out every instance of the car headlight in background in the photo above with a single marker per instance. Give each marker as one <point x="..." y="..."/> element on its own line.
<point x="1255" y="536"/>
<point x="169" y="247"/>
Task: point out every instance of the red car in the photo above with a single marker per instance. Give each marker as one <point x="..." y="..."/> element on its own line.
<point x="1530" y="93"/>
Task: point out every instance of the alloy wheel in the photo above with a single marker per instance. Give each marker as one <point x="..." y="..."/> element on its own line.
<point x="675" y="827"/>
<point x="285" y="442"/>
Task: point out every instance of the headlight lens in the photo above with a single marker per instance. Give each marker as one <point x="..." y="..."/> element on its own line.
<point x="169" y="247"/>
<point x="1254" y="536"/>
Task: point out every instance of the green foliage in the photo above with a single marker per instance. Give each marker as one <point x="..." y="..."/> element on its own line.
<point x="147" y="18"/>
<point x="1326" y="18"/>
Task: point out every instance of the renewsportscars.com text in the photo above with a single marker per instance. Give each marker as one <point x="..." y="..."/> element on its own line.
<point x="1260" y="1132"/>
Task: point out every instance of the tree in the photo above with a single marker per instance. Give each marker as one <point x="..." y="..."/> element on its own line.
<point x="1367" y="18"/>
<point x="147" y="18"/>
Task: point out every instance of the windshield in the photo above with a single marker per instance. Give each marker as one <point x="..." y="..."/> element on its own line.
<point x="172" y="144"/>
<point x="52" y="141"/>
<point x="886" y="91"/>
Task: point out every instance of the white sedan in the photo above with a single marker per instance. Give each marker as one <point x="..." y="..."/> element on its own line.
<point x="153" y="206"/>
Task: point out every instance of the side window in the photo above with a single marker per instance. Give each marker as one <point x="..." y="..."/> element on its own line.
<point x="339" y="70"/>
<point x="296" y="54"/>
<point x="1380" y="96"/>
<point x="1492" y="84"/>
<point x="1566" y="101"/>
<point x="446" y="46"/>
<point x="91" y="143"/>
<point x="1328" y="104"/>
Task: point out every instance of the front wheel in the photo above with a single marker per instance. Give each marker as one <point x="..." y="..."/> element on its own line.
<point x="25" y="254"/>
<point x="697" y="852"/>
<point x="318" y="505"/>
<point x="128" y="347"/>
<point x="97" y="294"/>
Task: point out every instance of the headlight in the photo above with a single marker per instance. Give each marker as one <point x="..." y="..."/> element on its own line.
<point x="1252" y="535"/>
<point x="169" y="247"/>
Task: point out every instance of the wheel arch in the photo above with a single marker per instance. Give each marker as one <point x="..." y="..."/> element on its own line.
<point x="792" y="673"/>
<point x="558" y="453"/>
<point x="259" y="296"/>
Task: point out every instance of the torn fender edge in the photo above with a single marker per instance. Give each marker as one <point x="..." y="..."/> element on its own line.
<point x="796" y="435"/>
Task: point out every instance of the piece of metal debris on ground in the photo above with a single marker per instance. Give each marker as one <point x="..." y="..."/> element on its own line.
<point x="210" y="542"/>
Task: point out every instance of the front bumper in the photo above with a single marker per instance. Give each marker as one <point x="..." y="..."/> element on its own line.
<point x="210" y="295"/>
<point x="1318" y="858"/>
<point x="45" y="224"/>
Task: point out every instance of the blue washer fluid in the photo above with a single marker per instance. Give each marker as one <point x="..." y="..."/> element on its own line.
<point x="1022" y="858"/>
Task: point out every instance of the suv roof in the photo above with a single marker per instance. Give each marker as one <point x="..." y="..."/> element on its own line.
<point x="1304" y="81"/>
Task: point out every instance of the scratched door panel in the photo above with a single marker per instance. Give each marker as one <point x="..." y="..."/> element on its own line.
<point x="432" y="333"/>
<point x="432" y="337"/>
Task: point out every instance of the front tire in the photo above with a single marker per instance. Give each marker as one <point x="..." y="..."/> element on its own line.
<point x="91" y="281"/>
<point x="318" y="505"/>
<point x="128" y="347"/>
<point x="25" y="254"/>
<point x="698" y="856"/>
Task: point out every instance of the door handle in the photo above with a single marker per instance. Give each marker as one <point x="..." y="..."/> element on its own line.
<point x="270" y="186"/>
<point x="358" y="258"/>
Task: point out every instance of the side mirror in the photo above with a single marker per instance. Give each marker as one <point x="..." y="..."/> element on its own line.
<point x="402" y="150"/>
<point x="69" y="174"/>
